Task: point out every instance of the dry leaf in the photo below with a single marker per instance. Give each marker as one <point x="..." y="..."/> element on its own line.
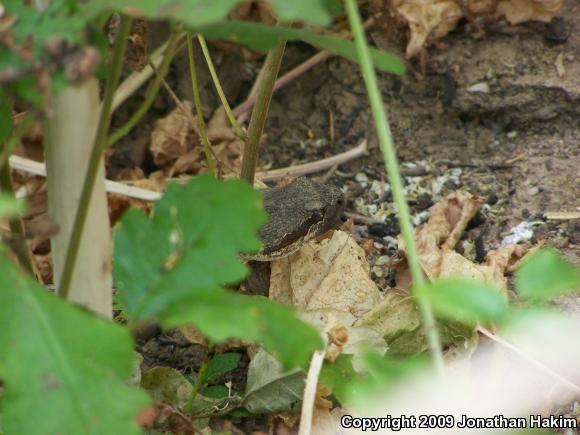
<point x="227" y="150"/>
<point x="331" y="274"/>
<point x="427" y="19"/>
<point x="172" y="136"/>
<point x="519" y="11"/>
<point x="430" y="20"/>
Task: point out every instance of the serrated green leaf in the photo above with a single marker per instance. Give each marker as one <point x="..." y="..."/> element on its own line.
<point x="545" y="275"/>
<point x="220" y="364"/>
<point x="466" y="300"/>
<point x="195" y="234"/>
<point x="5" y="118"/>
<point x="10" y="206"/>
<point x="187" y="251"/>
<point x="64" y="370"/>
<point x="262" y="37"/>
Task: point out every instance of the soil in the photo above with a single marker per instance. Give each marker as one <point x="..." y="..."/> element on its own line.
<point x="493" y="107"/>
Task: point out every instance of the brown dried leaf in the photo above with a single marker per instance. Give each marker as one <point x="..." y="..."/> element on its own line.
<point x="227" y="150"/>
<point x="519" y="11"/>
<point x="430" y="20"/>
<point x="448" y="220"/>
<point x="331" y="274"/>
<point x="172" y="136"/>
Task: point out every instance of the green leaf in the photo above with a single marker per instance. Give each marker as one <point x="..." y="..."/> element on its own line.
<point x="545" y="275"/>
<point x="220" y="365"/>
<point x="192" y="12"/>
<point x="10" y="206"/>
<point x="466" y="300"/>
<point x="5" y="119"/>
<point x="262" y="37"/>
<point x="339" y="376"/>
<point x="64" y="369"/>
<point x="187" y="251"/>
<point x="375" y="374"/>
<point x="313" y="11"/>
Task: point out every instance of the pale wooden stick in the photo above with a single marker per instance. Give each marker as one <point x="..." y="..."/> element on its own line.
<point x="310" y="393"/>
<point x="317" y="166"/>
<point x="38" y="168"/>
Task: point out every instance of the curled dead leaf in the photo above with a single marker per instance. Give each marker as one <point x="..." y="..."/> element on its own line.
<point x="172" y="136"/>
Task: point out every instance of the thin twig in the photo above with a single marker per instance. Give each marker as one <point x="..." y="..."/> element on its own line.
<point x="151" y="92"/>
<point x="138" y="78"/>
<point x="285" y="79"/>
<point x="38" y="168"/>
<point x="392" y="168"/>
<point x="319" y="57"/>
<point x="316" y="166"/>
<point x="218" y="86"/>
<point x="95" y="158"/>
<point x="207" y="149"/>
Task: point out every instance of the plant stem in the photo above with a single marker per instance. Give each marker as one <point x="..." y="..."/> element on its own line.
<point x="13" y="140"/>
<point x="19" y="245"/>
<point x="260" y="112"/>
<point x="197" y="103"/>
<point x="96" y="154"/>
<point x="151" y="91"/>
<point x="216" y="81"/>
<point x="392" y="167"/>
<point x="200" y="379"/>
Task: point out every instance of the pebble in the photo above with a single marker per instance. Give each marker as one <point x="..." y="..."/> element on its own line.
<point x="533" y="191"/>
<point x="362" y="178"/>
<point x="479" y="88"/>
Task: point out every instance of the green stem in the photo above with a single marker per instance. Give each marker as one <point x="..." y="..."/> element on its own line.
<point x="19" y="245"/>
<point x="388" y="149"/>
<point x="216" y="81"/>
<point x="200" y="379"/>
<point x="260" y="112"/>
<point x="197" y="103"/>
<point x="14" y="140"/>
<point x="151" y="91"/>
<point x="95" y="158"/>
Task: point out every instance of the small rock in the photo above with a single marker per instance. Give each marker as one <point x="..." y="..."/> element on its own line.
<point x="525" y="213"/>
<point x="512" y="134"/>
<point x="479" y="87"/>
<point x="362" y="178"/>
<point x="557" y="31"/>
<point x="549" y="164"/>
<point x="560" y="242"/>
<point x="574" y="231"/>
<point x="533" y="191"/>
<point x="378" y="271"/>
